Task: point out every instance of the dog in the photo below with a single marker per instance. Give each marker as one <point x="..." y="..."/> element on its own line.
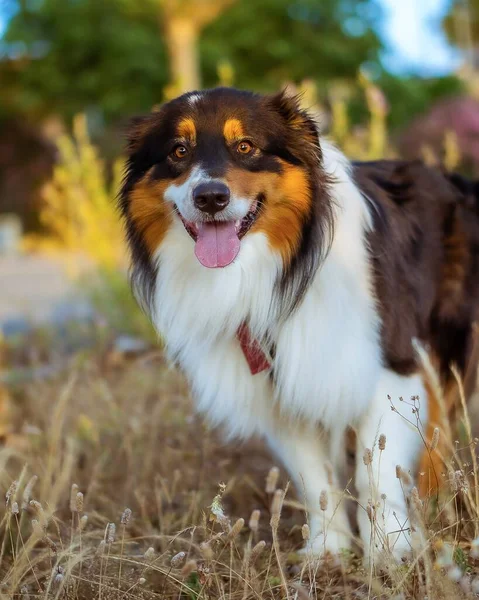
<point x="293" y="288"/>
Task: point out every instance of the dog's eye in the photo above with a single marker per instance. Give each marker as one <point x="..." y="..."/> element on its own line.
<point x="180" y="151"/>
<point x="244" y="147"/>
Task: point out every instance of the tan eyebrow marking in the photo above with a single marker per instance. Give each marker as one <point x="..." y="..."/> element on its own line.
<point x="186" y="129"/>
<point x="233" y="130"/>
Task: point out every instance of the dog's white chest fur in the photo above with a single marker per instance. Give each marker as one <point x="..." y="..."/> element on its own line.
<point x="328" y="357"/>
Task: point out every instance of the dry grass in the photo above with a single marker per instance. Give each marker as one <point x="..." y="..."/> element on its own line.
<point x="132" y="497"/>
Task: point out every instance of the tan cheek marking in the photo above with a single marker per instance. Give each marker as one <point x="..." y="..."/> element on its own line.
<point x="244" y="184"/>
<point x="285" y="211"/>
<point x="150" y="212"/>
<point x="187" y="129"/>
<point x="233" y="130"/>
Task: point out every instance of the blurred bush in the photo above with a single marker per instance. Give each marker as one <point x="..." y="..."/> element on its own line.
<point x="79" y="213"/>
<point x="81" y="221"/>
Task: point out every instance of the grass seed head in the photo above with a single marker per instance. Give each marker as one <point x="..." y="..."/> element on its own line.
<point x="15" y="509"/>
<point x="276" y="507"/>
<point x="126" y="516"/>
<point x="305" y="532"/>
<point x="371" y="512"/>
<point x="79" y="502"/>
<point x="272" y="480"/>
<point x="141" y="581"/>
<point x="110" y="533"/>
<point x="367" y="456"/>
<point x="435" y="439"/>
<point x="27" y="492"/>
<point x="323" y="500"/>
<point x="149" y="555"/>
<point x="256" y="551"/>
<point x="236" y="530"/>
<point x="382" y="442"/>
<point x="11" y="492"/>
<point x="178" y="560"/>
<point x="254" y="520"/>
<point x="415" y="500"/>
<point x="73" y="497"/>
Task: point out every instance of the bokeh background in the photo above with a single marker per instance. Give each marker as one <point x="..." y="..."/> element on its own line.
<point x="85" y="395"/>
<point x="384" y="78"/>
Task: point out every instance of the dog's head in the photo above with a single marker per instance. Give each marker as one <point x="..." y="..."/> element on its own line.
<point x="228" y="164"/>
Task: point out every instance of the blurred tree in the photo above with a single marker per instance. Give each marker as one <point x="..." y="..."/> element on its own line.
<point x="271" y="41"/>
<point x="410" y="96"/>
<point x="67" y="56"/>
<point x="109" y="57"/>
<point x="461" y="24"/>
<point x="183" y="21"/>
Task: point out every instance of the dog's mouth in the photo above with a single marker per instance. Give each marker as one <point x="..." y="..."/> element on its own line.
<point x="217" y="243"/>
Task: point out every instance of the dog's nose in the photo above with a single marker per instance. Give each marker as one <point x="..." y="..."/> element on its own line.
<point x="211" y="197"/>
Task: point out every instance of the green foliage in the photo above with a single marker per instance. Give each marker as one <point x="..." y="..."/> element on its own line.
<point x="87" y="53"/>
<point x="272" y="41"/>
<point x="461" y="559"/>
<point x="410" y="96"/>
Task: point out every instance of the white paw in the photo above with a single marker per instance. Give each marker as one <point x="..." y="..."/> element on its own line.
<point x="318" y="546"/>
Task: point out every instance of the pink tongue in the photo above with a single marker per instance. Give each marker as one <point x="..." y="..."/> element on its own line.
<point x="217" y="244"/>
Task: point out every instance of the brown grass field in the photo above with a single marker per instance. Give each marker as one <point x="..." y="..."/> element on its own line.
<point x="114" y="489"/>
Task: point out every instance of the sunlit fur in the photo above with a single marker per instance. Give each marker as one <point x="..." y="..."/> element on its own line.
<point x="305" y="281"/>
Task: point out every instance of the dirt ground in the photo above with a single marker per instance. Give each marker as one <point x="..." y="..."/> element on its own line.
<point x="36" y="289"/>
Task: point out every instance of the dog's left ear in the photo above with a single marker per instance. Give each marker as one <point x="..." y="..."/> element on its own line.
<point x="136" y="131"/>
<point x="296" y="118"/>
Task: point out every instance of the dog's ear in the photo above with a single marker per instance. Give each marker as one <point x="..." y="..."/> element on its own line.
<point x="136" y="130"/>
<point x="295" y="117"/>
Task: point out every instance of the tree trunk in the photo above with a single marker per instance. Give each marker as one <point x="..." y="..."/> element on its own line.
<point x="183" y="22"/>
<point x="182" y="41"/>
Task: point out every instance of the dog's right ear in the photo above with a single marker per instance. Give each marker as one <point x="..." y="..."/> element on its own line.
<point x="136" y="131"/>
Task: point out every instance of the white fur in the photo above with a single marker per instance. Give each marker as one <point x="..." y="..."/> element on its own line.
<point x="194" y="98"/>
<point x="328" y="365"/>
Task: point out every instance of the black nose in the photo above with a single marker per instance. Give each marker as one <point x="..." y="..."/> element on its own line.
<point x="211" y="196"/>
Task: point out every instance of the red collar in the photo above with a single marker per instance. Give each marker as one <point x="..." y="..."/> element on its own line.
<point x="255" y="356"/>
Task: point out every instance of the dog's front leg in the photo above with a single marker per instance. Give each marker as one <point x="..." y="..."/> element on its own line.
<point x="398" y="408"/>
<point x="302" y="450"/>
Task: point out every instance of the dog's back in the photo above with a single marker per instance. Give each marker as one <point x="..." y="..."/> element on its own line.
<point x="428" y="279"/>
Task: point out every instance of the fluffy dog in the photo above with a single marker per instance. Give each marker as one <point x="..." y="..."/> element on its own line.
<point x="291" y="287"/>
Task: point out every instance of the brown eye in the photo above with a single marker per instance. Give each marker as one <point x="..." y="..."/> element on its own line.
<point x="244" y="147"/>
<point x="180" y="151"/>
